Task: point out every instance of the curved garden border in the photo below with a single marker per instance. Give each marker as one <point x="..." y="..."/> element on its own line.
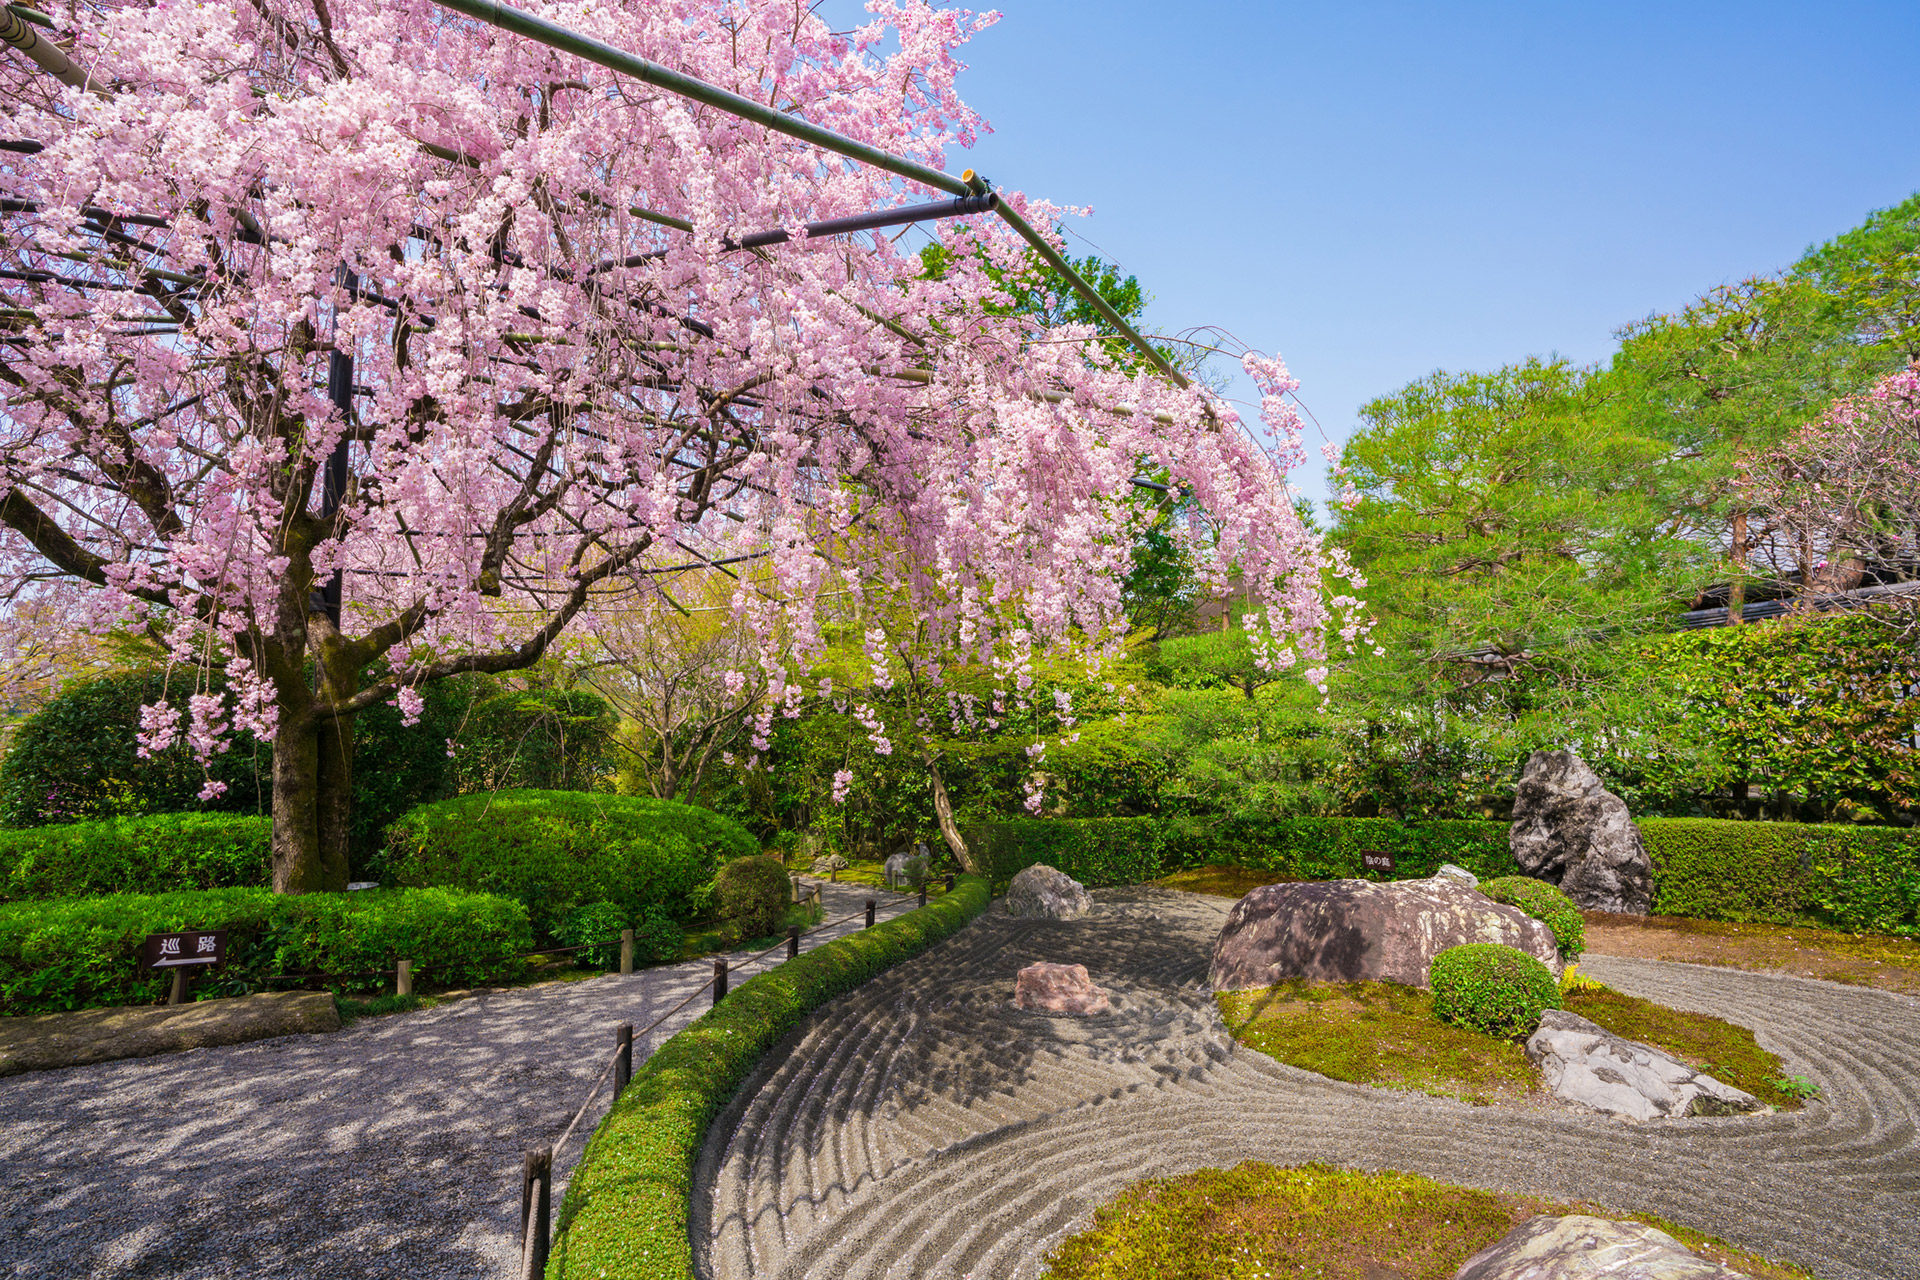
<point x="627" y="1207"/>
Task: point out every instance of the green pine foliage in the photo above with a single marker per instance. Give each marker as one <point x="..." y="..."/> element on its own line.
<point x="1499" y="990"/>
<point x="628" y="1202"/>
<point x="557" y="851"/>
<point x="157" y="854"/>
<point x="1545" y="903"/>
<point x="83" y="953"/>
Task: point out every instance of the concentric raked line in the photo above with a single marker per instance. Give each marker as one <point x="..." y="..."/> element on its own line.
<point x="923" y="1127"/>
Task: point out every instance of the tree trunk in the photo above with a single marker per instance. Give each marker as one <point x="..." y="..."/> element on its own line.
<point x="943" y="811"/>
<point x="1737" y="588"/>
<point x="297" y="864"/>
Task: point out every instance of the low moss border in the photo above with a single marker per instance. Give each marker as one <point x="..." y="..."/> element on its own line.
<point x="628" y="1205"/>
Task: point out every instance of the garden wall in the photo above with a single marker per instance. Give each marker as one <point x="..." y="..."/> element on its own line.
<point x="1851" y="877"/>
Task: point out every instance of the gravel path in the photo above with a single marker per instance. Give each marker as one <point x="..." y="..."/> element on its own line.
<point x="393" y="1148"/>
<point x="922" y="1127"/>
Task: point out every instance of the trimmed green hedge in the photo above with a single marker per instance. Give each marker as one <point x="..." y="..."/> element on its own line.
<point x="557" y="851"/>
<point x="626" y="1210"/>
<point x="1129" y="850"/>
<point x="1499" y="990"/>
<point x="159" y="854"/>
<point x="1547" y="904"/>
<point x="1865" y="879"/>
<point x="83" y="953"/>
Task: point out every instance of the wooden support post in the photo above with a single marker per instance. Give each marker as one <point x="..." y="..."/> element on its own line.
<point x="871" y="904"/>
<point x="719" y="979"/>
<point x="923" y="893"/>
<point x="177" y="994"/>
<point x="536" y="1212"/>
<point x="793" y="942"/>
<point x="626" y="951"/>
<point x="949" y="882"/>
<point x="623" y="1065"/>
<point x="403" y="979"/>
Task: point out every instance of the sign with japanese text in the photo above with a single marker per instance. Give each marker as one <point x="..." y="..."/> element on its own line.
<point x="1376" y="860"/>
<point x="193" y="947"/>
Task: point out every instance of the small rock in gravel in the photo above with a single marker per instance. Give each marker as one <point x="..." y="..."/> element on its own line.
<point x="1578" y="1246"/>
<point x="1059" y="988"/>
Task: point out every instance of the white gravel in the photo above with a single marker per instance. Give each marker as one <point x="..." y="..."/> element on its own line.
<point x="392" y="1148"/>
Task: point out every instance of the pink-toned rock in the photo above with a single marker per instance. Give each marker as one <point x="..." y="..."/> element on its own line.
<point x="1059" y="988"/>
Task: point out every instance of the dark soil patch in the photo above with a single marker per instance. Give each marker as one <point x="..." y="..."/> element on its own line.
<point x="1222" y="882"/>
<point x="1863" y="960"/>
<point x="1318" y="1221"/>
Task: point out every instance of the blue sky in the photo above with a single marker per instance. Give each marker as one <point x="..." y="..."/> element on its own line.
<point x="1375" y="190"/>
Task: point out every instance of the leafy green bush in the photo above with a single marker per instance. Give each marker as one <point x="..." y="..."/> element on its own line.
<point x="1865" y="879"/>
<point x="557" y="851"/>
<point x="77" y="758"/>
<point x="157" y="854"/>
<point x="627" y="1206"/>
<point x="1545" y="903"/>
<point x="598" y="925"/>
<point x="1492" y="988"/>
<point x="80" y="953"/>
<point x="753" y="894"/>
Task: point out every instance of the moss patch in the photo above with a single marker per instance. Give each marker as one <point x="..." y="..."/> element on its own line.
<point x="1222" y="882"/>
<point x="1318" y="1221"/>
<point x="1727" y="1052"/>
<point x="1377" y="1033"/>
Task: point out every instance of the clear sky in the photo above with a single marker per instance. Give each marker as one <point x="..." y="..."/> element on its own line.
<point x="1376" y="190"/>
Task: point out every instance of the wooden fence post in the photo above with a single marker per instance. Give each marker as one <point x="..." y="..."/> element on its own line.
<point x="626" y="951"/>
<point x="623" y="1065"/>
<point x="871" y="904"/>
<point x="536" y="1212"/>
<point x="403" y="979"/>
<point x="793" y="942"/>
<point x="719" y="979"/>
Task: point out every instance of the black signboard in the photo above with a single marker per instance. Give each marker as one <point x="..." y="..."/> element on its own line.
<point x="193" y="947"/>
<point x="1376" y="860"/>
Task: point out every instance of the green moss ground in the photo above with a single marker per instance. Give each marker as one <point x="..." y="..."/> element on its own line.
<point x="1258" y="1221"/>
<point x="1377" y="1033"/>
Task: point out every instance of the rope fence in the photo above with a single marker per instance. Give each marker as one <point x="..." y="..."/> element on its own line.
<point x="536" y="1189"/>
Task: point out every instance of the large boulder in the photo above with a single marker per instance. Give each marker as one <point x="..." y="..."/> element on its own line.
<point x="1359" y="931"/>
<point x="1589" y="1065"/>
<point x="908" y="868"/>
<point x="1041" y="892"/>
<point x="1059" y="988"/>
<point x="1570" y="830"/>
<point x="1578" y="1246"/>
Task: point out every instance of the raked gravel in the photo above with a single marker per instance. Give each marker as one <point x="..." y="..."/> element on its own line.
<point x="392" y="1148"/>
<point x="921" y="1127"/>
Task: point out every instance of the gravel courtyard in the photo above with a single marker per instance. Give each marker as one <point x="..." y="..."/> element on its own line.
<point x="922" y="1127"/>
<point x="392" y="1148"/>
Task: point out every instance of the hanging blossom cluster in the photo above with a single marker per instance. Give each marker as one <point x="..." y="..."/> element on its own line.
<point x="566" y="382"/>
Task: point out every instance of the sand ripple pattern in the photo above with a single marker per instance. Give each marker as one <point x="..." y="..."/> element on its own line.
<point x="923" y="1127"/>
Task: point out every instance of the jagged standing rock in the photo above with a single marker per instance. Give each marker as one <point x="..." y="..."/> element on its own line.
<point x="1359" y="931"/>
<point x="1569" y="830"/>
<point x="1589" y="1065"/>
<point x="1041" y="892"/>
<point x="906" y="870"/>
<point x="1059" y="988"/>
<point x="1578" y="1246"/>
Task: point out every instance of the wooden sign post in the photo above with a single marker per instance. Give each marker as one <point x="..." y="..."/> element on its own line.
<point x="183" y="953"/>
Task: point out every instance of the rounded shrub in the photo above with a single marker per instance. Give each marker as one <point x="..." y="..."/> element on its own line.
<point x="753" y="895"/>
<point x="1491" y="988"/>
<point x="1545" y="903"/>
<point x="558" y="851"/>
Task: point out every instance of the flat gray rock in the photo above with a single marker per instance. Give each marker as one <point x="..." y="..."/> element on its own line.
<point x="1452" y="872"/>
<point x="1359" y="931"/>
<point x="42" y="1041"/>
<point x="1589" y="1065"/>
<point x="1578" y="1246"/>
<point x="1041" y="892"/>
<point x="1569" y="830"/>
